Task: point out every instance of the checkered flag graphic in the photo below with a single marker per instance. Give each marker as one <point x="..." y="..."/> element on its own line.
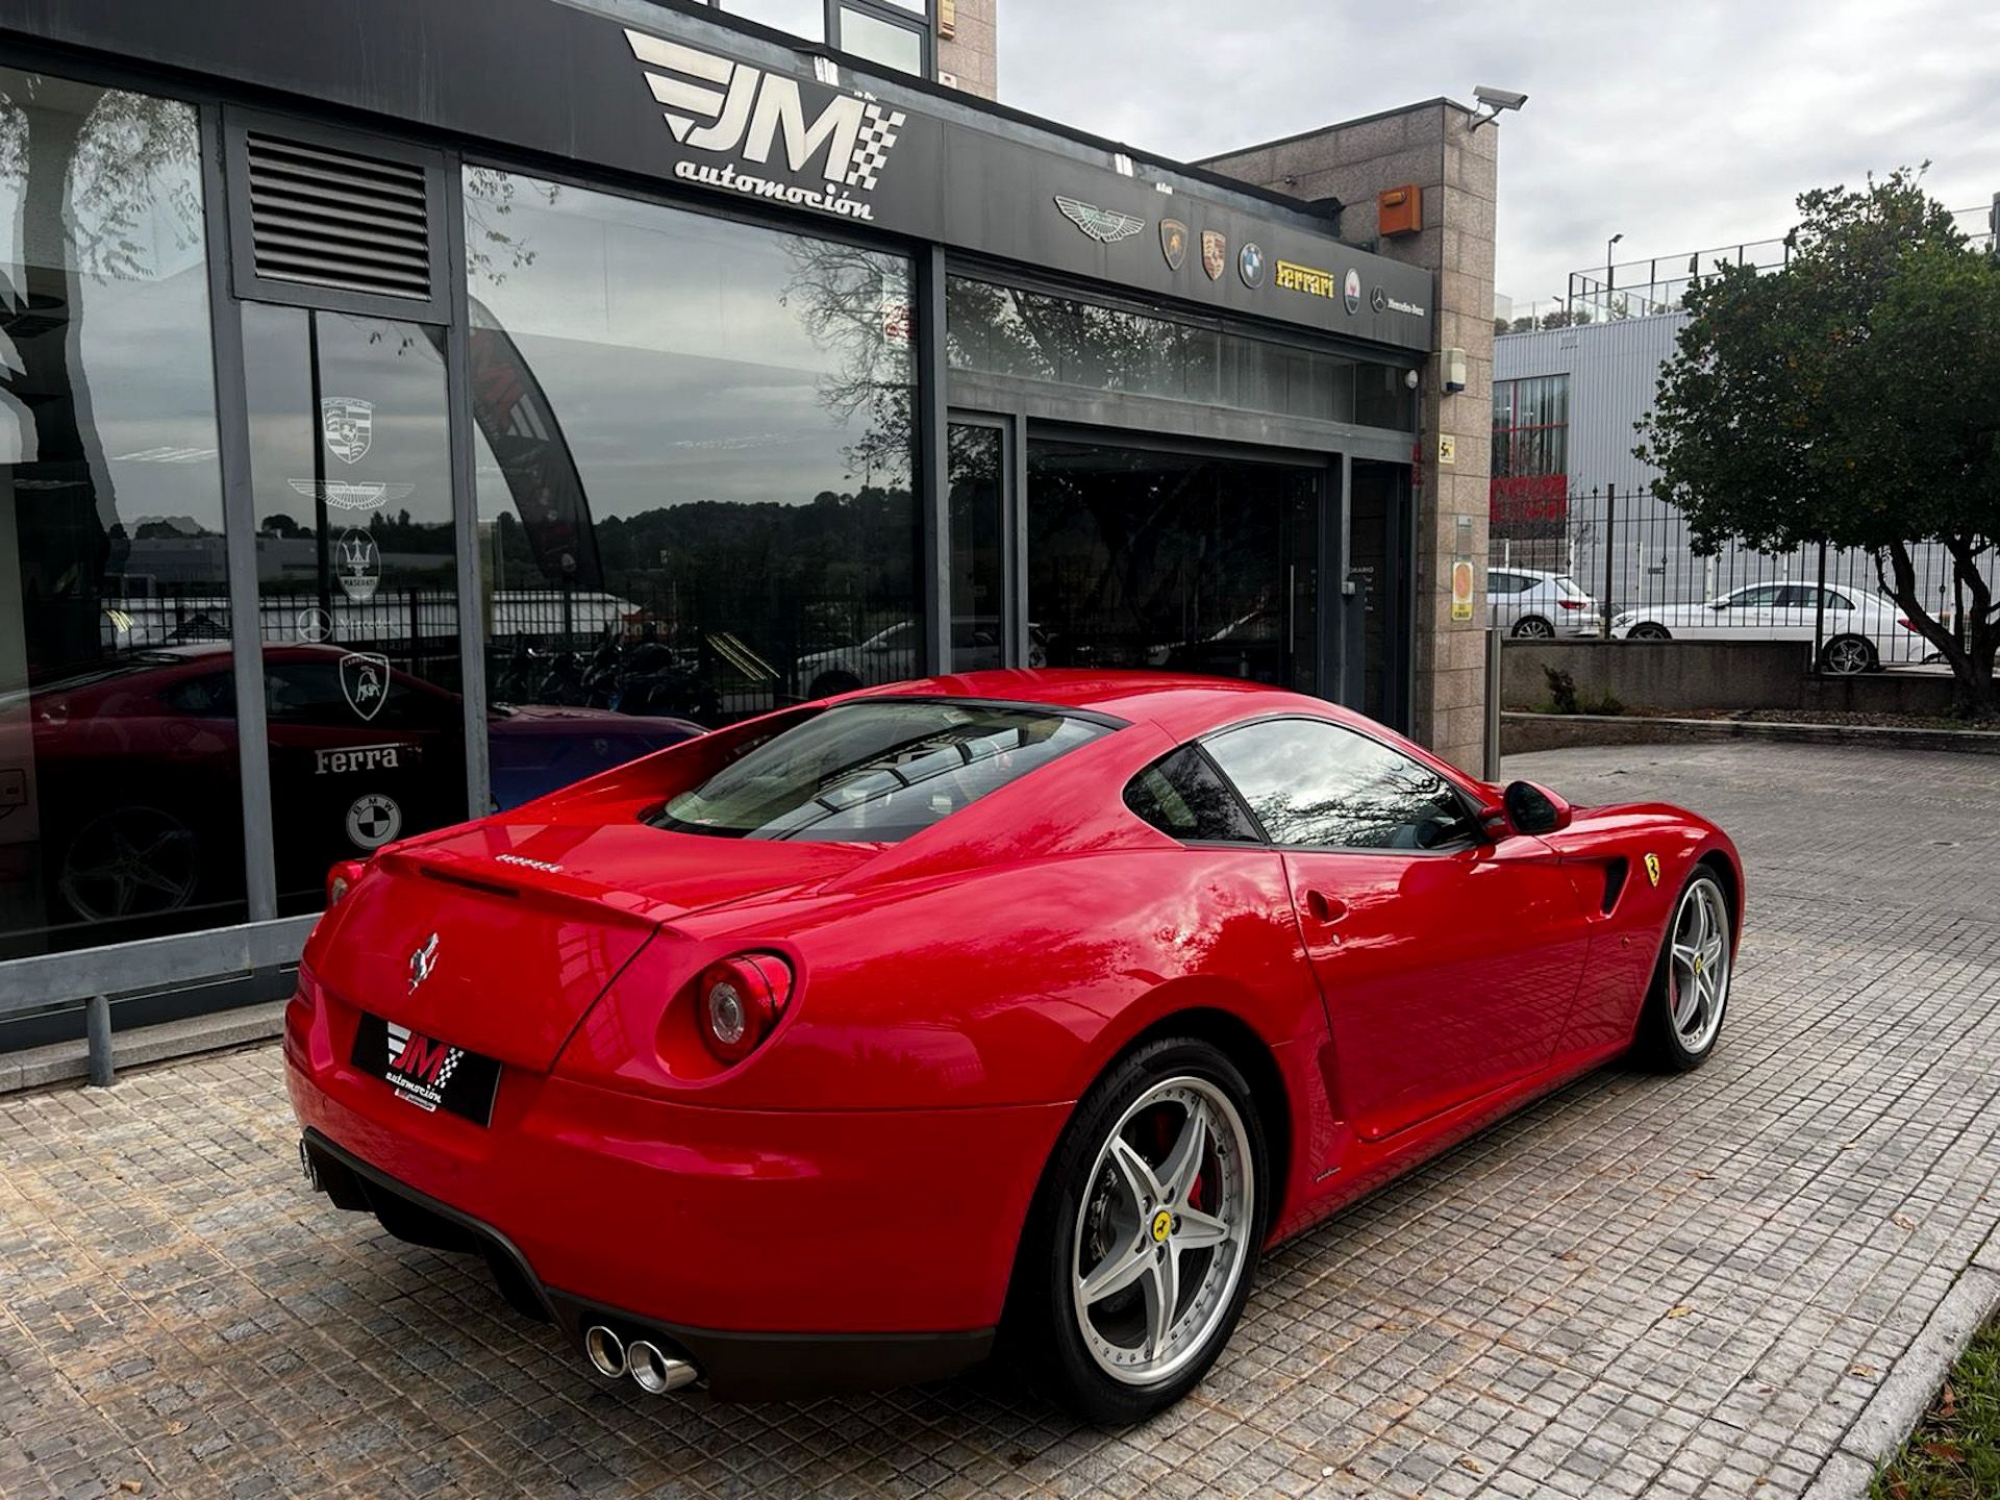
<point x="450" y="1067"/>
<point x="872" y="145"/>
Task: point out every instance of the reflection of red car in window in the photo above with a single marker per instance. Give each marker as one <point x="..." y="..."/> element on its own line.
<point x="136" y="776"/>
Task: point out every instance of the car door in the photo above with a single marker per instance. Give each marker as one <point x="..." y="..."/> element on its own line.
<point x="1502" y="591"/>
<point x="1448" y="961"/>
<point x="1748" y="614"/>
<point x="1797" y="613"/>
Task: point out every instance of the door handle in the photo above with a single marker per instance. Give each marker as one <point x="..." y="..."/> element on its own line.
<point x="1323" y="908"/>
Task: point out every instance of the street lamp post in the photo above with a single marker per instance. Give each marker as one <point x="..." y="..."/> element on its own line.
<point x="1609" y="276"/>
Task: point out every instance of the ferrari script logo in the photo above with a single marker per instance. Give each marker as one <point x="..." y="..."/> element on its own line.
<point x="423" y="963"/>
<point x="1163" y="1225"/>
<point x="1653" y="868"/>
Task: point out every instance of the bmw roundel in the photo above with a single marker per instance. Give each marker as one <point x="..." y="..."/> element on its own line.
<point x="1250" y="265"/>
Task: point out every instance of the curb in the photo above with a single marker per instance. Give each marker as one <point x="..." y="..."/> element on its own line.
<point x="1899" y="1403"/>
<point x="63" y="1062"/>
<point x="1524" y="733"/>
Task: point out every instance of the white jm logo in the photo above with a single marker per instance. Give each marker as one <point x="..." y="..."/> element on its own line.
<point x="714" y="104"/>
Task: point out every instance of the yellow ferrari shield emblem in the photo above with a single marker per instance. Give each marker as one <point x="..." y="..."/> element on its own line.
<point x="1163" y="1225"/>
<point x="1653" y="868"/>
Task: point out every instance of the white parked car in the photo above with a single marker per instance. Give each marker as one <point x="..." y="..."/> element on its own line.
<point x="1861" y="631"/>
<point x="1539" y="606"/>
<point x="892" y="656"/>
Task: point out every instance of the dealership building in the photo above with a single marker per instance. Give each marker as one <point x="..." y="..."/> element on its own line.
<point x="411" y="408"/>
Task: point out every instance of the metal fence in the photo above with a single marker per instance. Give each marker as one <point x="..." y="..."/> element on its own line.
<point x="1644" y="288"/>
<point x="1632" y="552"/>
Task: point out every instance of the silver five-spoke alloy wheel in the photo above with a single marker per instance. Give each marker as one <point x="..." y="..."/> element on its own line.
<point x="1698" y="967"/>
<point x="1165" y="1231"/>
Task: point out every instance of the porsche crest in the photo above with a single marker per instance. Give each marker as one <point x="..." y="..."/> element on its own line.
<point x="1214" y="253"/>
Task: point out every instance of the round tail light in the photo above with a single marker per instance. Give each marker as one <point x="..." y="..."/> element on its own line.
<point x="742" y="999"/>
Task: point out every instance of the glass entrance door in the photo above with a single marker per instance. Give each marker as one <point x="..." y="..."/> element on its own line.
<point x="1186" y="562"/>
<point x="350" y="458"/>
<point x="1378" y="624"/>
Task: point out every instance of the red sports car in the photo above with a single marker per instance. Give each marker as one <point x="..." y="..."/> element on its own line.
<point x="818" y="1051"/>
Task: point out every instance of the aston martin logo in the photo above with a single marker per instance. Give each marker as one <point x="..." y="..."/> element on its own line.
<point x="1106" y="226"/>
<point x="423" y="963"/>
<point x="342" y="494"/>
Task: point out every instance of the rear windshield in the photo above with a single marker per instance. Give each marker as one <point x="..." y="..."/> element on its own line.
<point x="875" y="771"/>
<point x="1568" y="589"/>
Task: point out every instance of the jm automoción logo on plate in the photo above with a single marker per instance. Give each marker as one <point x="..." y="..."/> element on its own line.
<point x="723" y="108"/>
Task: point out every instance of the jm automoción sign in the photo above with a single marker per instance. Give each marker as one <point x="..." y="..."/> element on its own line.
<point x="728" y="109"/>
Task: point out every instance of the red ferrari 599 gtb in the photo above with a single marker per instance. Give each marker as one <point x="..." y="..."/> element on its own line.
<point x="822" y="1050"/>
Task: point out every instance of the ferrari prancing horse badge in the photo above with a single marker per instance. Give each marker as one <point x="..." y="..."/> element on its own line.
<point x="1653" y="868"/>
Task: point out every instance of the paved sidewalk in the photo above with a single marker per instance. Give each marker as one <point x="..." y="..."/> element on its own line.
<point x="1640" y="1286"/>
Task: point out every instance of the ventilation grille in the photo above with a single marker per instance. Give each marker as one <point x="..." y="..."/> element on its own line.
<point x="332" y="218"/>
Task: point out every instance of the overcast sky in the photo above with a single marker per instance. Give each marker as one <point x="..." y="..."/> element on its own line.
<point x="1685" y="127"/>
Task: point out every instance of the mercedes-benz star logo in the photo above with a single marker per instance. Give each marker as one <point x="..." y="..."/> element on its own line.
<point x="423" y="962"/>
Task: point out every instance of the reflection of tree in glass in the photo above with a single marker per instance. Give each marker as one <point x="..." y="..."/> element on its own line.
<point x="93" y="170"/>
<point x="492" y="249"/>
<point x="855" y="305"/>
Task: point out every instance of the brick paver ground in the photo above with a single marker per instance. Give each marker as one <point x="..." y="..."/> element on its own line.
<point x="1640" y="1286"/>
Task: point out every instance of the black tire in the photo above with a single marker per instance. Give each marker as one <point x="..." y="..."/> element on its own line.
<point x="827" y="684"/>
<point x="1533" y="628"/>
<point x="1848" y="656"/>
<point x="1648" y="632"/>
<point x="1043" y="1329"/>
<point x="1661" y="1044"/>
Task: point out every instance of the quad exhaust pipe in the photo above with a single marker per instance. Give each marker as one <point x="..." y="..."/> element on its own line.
<point x="652" y="1370"/>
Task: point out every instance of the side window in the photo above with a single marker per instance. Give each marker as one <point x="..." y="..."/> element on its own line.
<point x="1504" y="583"/>
<point x="1184" y="798"/>
<point x="1837" y="600"/>
<point x="1319" y="786"/>
<point x="209" y="697"/>
<point x="1764" y="596"/>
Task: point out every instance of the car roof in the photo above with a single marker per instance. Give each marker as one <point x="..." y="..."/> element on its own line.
<point x="1181" y="703"/>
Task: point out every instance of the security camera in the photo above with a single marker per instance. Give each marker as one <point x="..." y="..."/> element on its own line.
<point x="1492" y="102"/>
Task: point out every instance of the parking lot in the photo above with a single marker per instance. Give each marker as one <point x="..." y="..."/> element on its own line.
<point x="1641" y="1285"/>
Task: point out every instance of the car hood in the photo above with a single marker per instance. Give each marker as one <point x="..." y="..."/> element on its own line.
<point x="532" y="919"/>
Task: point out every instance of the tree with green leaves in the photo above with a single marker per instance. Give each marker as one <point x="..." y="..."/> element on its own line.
<point x="1851" y="398"/>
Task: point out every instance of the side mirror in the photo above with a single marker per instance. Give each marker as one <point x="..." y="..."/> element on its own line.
<point x="1534" y="810"/>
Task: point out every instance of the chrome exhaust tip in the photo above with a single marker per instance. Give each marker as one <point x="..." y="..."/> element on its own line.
<point x="309" y="1166"/>
<point x="606" y="1350"/>
<point x="656" y="1373"/>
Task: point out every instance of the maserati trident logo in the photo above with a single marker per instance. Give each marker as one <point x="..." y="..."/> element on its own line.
<point x="1105" y="225"/>
<point x="721" y="107"/>
<point x="423" y="963"/>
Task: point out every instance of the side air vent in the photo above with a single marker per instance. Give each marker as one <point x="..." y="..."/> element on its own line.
<point x="1615" y="874"/>
<point x="326" y="217"/>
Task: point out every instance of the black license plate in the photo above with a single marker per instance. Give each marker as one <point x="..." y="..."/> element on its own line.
<point x="426" y="1072"/>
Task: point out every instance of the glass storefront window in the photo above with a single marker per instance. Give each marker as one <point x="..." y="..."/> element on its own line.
<point x="120" y="815"/>
<point x="1003" y="330"/>
<point x="350" y="460"/>
<point x="977" y="519"/>
<point x="694" y="443"/>
<point x="1186" y="562"/>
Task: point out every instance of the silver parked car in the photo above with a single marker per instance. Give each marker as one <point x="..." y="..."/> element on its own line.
<point x="1539" y="606"/>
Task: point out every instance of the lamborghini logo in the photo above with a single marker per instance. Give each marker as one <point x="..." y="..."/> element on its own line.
<point x="1653" y="868"/>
